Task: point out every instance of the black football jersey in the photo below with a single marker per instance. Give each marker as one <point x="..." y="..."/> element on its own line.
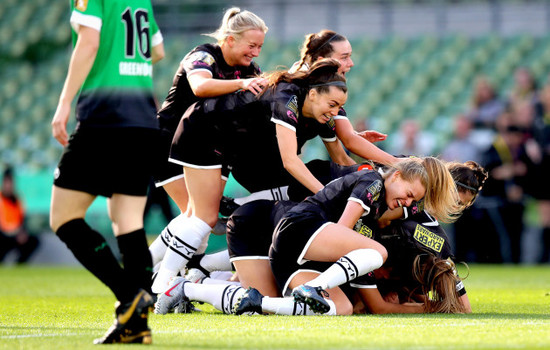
<point x="207" y="57"/>
<point x="364" y="187"/>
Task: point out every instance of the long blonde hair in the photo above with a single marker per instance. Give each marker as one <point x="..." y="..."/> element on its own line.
<point x="441" y="198"/>
<point x="235" y="22"/>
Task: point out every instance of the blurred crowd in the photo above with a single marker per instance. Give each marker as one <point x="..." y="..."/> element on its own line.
<point x="509" y="134"/>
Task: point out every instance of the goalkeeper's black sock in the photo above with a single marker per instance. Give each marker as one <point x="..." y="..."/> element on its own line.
<point x="136" y="258"/>
<point x="92" y="251"/>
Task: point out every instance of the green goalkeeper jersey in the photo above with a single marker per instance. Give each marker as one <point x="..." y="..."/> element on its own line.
<point x="118" y="91"/>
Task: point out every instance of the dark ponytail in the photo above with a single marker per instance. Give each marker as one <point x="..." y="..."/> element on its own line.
<point x="321" y="75"/>
<point x="468" y="176"/>
<point x="318" y="45"/>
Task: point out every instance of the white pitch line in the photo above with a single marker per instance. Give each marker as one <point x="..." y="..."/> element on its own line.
<point x="36" y="335"/>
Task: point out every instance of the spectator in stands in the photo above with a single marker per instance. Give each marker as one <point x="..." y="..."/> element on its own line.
<point x="486" y="105"/>
<point x="541" y="191"/>
<point x="507" y="162"/>
<point x="486" y="108"/>
<point x="461" y="147"/>
<point x="13" y="233"/>
<point x="524" y="89"/>
<point x="410" y="141"/>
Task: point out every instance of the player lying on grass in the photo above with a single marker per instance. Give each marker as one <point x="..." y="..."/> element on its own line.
<point x="249" y="236"/>
<point x="372" y="193"/>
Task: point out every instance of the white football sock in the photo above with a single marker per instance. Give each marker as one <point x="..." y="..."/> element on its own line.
<point x="200" y="250"/>
<point x="221" y="275"/>
<point x="287" y="306"/>
<point x="352" y="265"/>
<point x="275" y="194"/>
<point x="160" y="244"/>
<point x="217" y="261"/>
<point x="222" y="297"/>
<point x="182" y="247"/>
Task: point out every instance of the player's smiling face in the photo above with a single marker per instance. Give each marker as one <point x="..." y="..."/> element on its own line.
<point x="323" y="106"/>
<point x="342" y="53"/>
<point x="401" y="193"/>
<point x="245" y="48"/>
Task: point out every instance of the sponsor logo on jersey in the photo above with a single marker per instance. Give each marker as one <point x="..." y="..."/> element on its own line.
<point x="292" y="104"/>
<point x="81" y="5"/>
<point x="373" y="191"/>
<point x="428" y="238"/>
<point x="135" y="69"/>
<point x="363" y="229"/>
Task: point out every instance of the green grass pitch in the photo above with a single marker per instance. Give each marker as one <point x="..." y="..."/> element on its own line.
<point x="66" y="308"/>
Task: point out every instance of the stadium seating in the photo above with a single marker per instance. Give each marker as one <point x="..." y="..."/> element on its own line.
<point x="427" y="78"/>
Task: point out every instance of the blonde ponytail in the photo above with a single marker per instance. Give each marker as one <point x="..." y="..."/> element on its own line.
<point x="235" y="22"/>
<point x="441" y="199"/>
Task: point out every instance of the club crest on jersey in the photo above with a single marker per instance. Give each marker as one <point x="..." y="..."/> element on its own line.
<point x="201" y="58"/>
<point x="331" y="123"/>
<point x="427" y="238"/>
<point x="373" y="191"/>
<point x="417" y="207"/>
<point x="292" y="104"/>
<point x="81" y="5"/>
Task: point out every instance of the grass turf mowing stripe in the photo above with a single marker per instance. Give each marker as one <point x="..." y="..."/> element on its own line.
<point x="66" y="308"/>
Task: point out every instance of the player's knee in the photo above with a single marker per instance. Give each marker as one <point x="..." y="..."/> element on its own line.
<point x="211" y="220"/>
<point x="344" y="307"/>
<point x="55" y="222"/>
<point x="383" y="252"/>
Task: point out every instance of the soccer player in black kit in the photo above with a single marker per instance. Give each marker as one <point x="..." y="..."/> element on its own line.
<point x="252" y="133"/>
<point x="206" y="71"/>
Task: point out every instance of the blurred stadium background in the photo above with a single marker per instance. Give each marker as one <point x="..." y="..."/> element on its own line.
<point x="413" y="59"/>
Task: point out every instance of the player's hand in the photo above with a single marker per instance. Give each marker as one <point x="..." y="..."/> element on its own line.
<point x="254" y="85"/>
<point x="372" y="135"/>
<point x="59" y="123"/>
<point x="383" y="222"/>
